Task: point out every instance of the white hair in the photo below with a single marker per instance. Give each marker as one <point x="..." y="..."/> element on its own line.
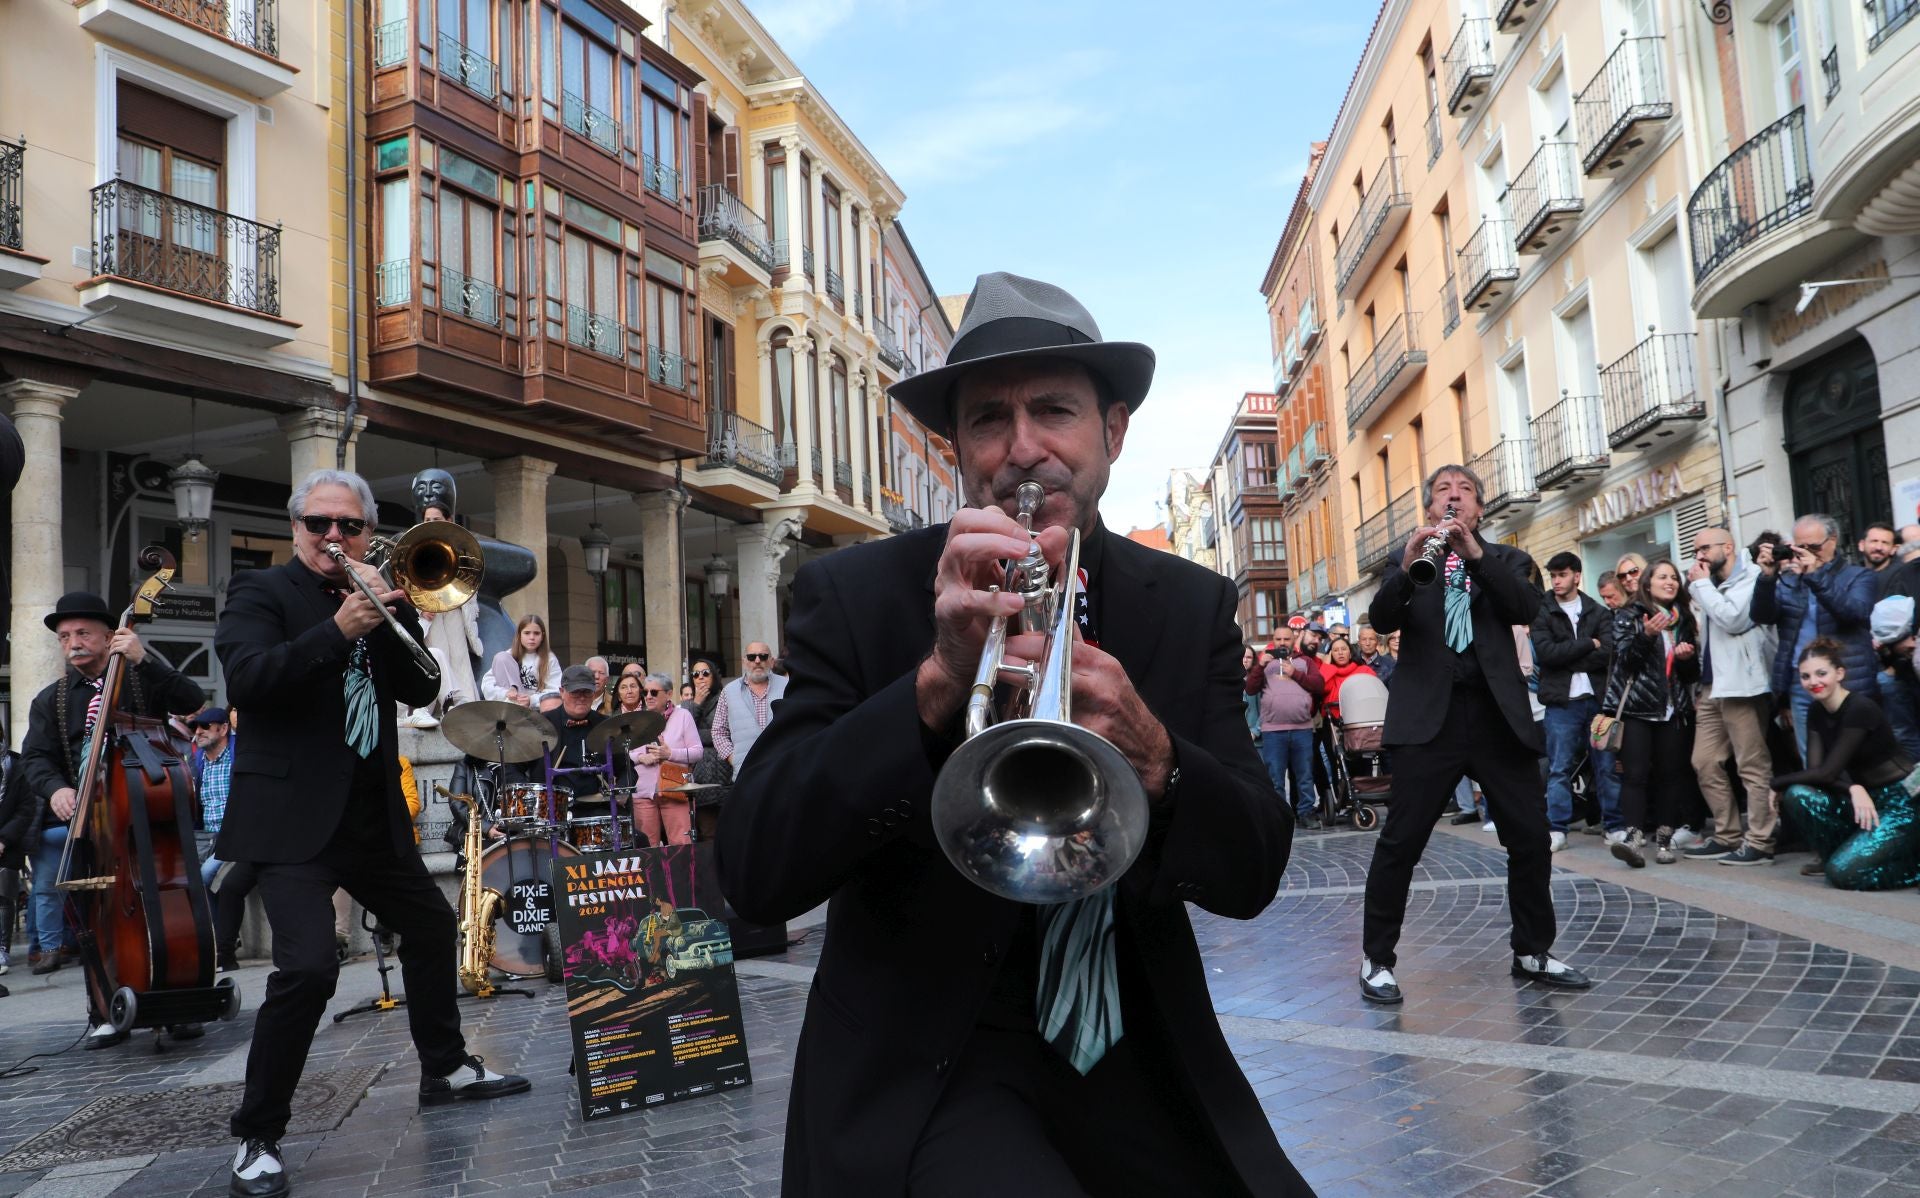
<point x="297" y="502"/>
<point x="665" y="683"/>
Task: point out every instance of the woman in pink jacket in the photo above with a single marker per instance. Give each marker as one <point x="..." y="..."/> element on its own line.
<point x="680" y="744"/>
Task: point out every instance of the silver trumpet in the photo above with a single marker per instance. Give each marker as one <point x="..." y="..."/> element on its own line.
<point x="1433" y="554"/>
<point x="437" y="563"/>
<point x="1031" y="806"/>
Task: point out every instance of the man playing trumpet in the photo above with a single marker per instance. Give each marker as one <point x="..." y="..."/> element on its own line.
<point x="953" y="1043"/>
<point x="1458" y="708"/>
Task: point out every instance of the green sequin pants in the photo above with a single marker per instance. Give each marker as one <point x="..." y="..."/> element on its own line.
<point x="1887" y="858"/>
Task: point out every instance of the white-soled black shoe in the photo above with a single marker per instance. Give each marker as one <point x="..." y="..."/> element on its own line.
<point x="470" y="1080"/>
<point x="258" y="1171"/>
<point x="1377" y="984"/>
<point x="1550" y="971"/>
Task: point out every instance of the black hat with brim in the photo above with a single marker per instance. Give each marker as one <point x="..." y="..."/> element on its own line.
<point x="75" y="605"/>
<point x="1008" y="318"/>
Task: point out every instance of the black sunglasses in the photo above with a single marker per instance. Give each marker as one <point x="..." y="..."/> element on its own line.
<point x="758" y="656"/>
<point x="318" y="525"/>
<point x="655" y="692"/>
<point x="703" y="673"/>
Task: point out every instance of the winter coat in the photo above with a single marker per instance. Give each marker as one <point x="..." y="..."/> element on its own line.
<point x="1845" y="596"/>
<point x="1640" y="664"/>
<point x="1742" y="650"/>
<point x="1559" y="650"/>
<point x="1335" y="675"/>
<point x="1287" y="703"/>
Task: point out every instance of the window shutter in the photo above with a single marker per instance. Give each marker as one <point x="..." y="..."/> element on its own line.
<point x="700" y="166"/>
<point x="726" y="365"/>
<point x="730" y="159"/>
<point x="163" y="120"/>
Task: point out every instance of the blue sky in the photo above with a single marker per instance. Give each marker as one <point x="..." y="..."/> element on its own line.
<point x="1144" y="156"/>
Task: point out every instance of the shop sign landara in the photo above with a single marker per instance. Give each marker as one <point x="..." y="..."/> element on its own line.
<point x="1646" y="494"/>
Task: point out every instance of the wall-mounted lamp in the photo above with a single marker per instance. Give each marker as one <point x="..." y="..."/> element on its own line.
<point x="595" y="541"/>
<point x="1809" y="290"/>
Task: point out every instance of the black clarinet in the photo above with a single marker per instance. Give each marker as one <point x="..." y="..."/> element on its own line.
<point x="1426" y="567"/>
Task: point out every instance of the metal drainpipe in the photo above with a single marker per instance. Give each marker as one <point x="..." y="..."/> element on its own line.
<point x="1697" y="105"/>
<point x="353" y="256"/>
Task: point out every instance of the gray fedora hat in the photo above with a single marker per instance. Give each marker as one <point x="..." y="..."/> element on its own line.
<point x="1010" y="317"/>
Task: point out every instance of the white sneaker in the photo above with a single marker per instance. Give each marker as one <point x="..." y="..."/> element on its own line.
<point x="1684" y="837"/>
<point x="1556" y="841"/>
<point x="1487" y="827"/>
<point x="5" y="963"/>
<point x="1617" y="836"/>
<point x="421" y="718"/>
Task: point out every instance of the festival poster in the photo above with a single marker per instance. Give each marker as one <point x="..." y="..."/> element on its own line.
<point x="651" y="996"/>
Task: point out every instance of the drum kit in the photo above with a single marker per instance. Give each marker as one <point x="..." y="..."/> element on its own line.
<point x="544" y="822"/>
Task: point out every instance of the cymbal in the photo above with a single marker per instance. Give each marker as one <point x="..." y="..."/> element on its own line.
<point x="497" y="731"/>
<point x="638" y="727"/>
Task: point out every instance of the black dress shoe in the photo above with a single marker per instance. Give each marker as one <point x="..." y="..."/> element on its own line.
<point x="1377" y="985"/>
<point x="1465" y="817"/>
<point x="187" y="1031"/>
<point x="471" y="1079"/>
<point x="1550" y="972"/>
<point x="258" y="1171"/>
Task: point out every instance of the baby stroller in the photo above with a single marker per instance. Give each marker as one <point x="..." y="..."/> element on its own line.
<point x="1358" y="765"/>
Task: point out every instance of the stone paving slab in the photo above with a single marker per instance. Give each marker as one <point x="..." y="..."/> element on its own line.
<point x="1713" y="1059"/>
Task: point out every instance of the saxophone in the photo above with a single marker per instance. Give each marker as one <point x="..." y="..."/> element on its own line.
<point x="479" y="906"/>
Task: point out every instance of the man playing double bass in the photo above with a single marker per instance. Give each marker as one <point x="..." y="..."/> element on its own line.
<point x="316" y="805"/>
<point x="59" y="722"/>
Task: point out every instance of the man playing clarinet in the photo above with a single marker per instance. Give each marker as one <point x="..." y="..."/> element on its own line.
<point x="1458" y="708"/>
<point x="316" y="803"/>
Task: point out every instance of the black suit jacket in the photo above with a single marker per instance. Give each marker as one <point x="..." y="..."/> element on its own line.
<point x="1423" y="681"/>
<point x="285" y="662"/>
<point x="833" y="804"/>
<point x="1559" y="649"/>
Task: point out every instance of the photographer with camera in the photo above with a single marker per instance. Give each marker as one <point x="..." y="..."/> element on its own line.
<point x="1805" y="591"/>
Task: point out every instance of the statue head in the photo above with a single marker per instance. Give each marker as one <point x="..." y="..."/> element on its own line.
<point x="433" y="487"/>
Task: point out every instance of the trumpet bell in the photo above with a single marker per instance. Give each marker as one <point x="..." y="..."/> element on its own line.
<point x="437" y="563"/>
<point x="1039" y="811"/>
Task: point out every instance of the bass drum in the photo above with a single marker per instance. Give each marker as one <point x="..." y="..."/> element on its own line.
<point x="518" y="869"/>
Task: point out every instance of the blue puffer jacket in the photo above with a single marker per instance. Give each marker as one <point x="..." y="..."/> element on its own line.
<point x="1845" y="595"/>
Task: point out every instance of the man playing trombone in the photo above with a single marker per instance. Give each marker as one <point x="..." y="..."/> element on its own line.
<point x="957" y="1041"/>
<point x="315" y="659"/>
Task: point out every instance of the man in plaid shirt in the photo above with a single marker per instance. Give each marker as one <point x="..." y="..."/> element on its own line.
<point x="212" y="767"/>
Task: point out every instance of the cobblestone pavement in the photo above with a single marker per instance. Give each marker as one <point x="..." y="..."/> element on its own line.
<point x="1714" y="1057"/>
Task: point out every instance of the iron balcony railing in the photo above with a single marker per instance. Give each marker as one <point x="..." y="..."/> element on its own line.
<point x="816" y="462"/>
<point x="1654" y="383"/>
<point x="1383" y="196"/>
<point x="469" y="68"/>
<point x="12" y="186"/>
<point x="390" y="44"/>
<point x="589" y="122"/>
<point x="1435" y="142"/>
<point x="659" y="178"/>
<point x="859" y="305"/>
<point x="251" y="23"/>
<point x="836" y="287"/>
<point x="1765" y="183"/>
<point x="842" y="473"/>
<point x="1506" y="471"/>
<point x="779" y="248"/>
<point x="1386" y="531"/>
<point x="1630" y="87"/>
<point x="888" y="343"/>
<point x="1396" y="349"/>
<point x="1487" y="258"/>
<point x="1513" y="14"/>
<point x="734" y="442"/>
<point x="900" y="517"/>
<point x="466" y="296"/>
<point x="726" y="217"/>
<point x="150" y="237"/>
<point x="1547" y="186"/>
<point x="806" y="261"/>
<point x="1449" y="308"/>
<point x="1469" y="60"/>
<point x="591" y="330"/>
<point x="1884" y="17"/>
<point x="1830" y="68"/>
<point x="393" y="282"/>
<point x="1568" y="438"/>
<point x="668" y="370"/>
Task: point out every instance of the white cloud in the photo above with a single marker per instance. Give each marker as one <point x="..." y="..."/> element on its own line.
<point x="1179" y="426"/>
<point x="995" y="115"/>
<point x="798" y="25"/>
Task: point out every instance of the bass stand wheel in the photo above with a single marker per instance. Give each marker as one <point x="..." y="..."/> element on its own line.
<point x="122" y="1009"/>
<point x="555" y="958"/>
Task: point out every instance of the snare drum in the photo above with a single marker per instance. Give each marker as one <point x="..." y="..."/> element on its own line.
<point x="594" y="834"/>
<point x="526" y="802"/>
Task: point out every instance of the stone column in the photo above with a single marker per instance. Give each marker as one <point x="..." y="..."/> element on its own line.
<point x="823" y="404"/>
<point x="520" y="518"/>
<point x="870" y="260"/>
<point x="795" y="238"/>
<point x="818" y="221"/>
<point x="763" y="550"/>
<point x="313" y="437"/>
<point x="877" y="450"/>
<point x="803" y="387"/>
<point x="665" y="578"/>
<point x="39" y="556"/>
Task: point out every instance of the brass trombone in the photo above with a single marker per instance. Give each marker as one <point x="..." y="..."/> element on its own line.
<point x="437" y="563"/>
<point x="1031" y="806"/>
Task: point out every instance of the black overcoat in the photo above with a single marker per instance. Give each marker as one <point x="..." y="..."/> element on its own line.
<point x="833" y="804"/>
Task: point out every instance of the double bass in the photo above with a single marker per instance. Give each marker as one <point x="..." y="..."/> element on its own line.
<point x="130" y="869"/>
